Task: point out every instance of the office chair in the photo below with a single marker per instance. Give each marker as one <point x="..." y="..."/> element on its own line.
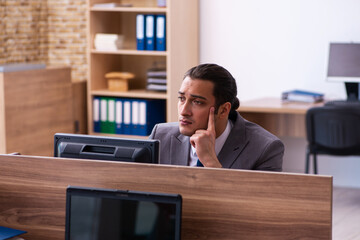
<point x="332" y="130"/>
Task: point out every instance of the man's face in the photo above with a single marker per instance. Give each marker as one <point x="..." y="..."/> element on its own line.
<point x="195" y="99"/>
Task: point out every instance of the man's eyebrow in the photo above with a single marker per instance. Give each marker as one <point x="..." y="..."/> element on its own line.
<point x="193" y="95"/>
<point x="198" y="96"/>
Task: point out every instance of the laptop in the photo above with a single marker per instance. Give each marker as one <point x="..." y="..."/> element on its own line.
<point x="98" y="214"/>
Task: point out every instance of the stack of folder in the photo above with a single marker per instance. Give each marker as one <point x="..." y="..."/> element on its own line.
<point x="156" y="79"/>
<point x="127" y="116"/>
<point x="151" y="32"/>
<point x="302" y="96"/>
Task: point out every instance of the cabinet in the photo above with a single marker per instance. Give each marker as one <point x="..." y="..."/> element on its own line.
<point x="34" y="105"/>
<point x="180" y="55"/>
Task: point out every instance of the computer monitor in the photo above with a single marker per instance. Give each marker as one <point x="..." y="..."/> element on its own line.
<point x="344" y="66"/>
<point x="106" y="148"/>
<point x="98" y="213"/>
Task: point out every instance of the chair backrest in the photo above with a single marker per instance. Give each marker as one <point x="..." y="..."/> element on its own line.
<point x="334" y="128"/>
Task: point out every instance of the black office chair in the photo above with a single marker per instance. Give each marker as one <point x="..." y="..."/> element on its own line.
<point x="332" y="130"/>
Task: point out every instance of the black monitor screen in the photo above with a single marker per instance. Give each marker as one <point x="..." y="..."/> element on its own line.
<point x="112" y="214"/>
<point x="106" y="148"/>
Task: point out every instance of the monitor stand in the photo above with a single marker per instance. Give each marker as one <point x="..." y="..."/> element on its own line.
<point x="352" y="91"/>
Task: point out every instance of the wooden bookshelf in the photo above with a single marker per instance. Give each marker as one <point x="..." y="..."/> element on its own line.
<point x="131" y="52"/>
<point x="180" y="55"/>
<point x="136" y="93"/>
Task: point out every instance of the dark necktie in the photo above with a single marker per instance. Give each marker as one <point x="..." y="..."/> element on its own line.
<point x="199" y="164"/>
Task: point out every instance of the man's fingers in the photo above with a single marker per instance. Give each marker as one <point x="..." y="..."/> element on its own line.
<point x="211" y="121"/>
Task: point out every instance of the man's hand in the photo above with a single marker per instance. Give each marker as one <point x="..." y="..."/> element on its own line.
<point x="204" y="143"/>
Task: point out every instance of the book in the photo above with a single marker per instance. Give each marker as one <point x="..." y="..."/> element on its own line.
<point x="302" y="96"/>
<point x="127" y="122"/>
<point x="111" y="114"/>
<point x="7" y="233"/>
<point x="119" y="116"/>
<point x="156" y="73"/>
<point x="157" y="80"/>
<point x="103" y="114"/>
<point x="145" y="114"/>
<point x="96" y="114"/>
<point x="160" y="33"/>
<point x="140" y="32"/>
<point x="150" y="32"/>
<point x="135" y="117"/>
<point x="157" y="87"/>
<point x="111" y="5"/>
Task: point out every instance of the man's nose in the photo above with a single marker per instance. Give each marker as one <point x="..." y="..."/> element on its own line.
<point x="185" y="109"/>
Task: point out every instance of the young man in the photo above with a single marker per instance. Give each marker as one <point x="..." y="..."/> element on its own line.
<point x="210" y="132"/>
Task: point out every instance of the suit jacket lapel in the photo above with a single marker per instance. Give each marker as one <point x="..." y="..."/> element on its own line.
<point x="179" y="150"/>
<point x="234" y="144"/>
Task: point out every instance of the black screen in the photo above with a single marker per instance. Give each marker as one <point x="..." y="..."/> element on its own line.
<point x="99" y="218"/>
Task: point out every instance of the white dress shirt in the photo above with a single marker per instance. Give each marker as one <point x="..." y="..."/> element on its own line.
<point x="219" y="143"/>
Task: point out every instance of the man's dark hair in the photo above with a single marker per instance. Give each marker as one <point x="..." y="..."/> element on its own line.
<point x="225" y="89"/>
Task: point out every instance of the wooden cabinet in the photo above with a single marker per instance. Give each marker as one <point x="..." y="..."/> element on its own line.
<point x="180" y="55"/>
<point x="34" y="105"/>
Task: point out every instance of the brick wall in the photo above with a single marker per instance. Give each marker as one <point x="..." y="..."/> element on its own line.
<point x="46" y="31"/>
<point x="67" y="35"/>
<point x="2" y="32"/>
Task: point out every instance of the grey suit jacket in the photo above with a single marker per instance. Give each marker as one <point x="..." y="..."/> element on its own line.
<point x="248" y="146"/>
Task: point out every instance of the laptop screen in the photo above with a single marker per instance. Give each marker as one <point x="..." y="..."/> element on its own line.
<point x="94" y="214"/>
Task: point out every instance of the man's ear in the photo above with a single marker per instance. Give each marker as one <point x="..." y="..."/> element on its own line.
<point x="224" y="110"/>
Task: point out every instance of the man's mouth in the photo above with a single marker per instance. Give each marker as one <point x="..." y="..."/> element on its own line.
<point x="185" y="122"/>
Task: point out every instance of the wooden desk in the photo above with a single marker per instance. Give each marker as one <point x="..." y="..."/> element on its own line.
<point x="281" y="119"/>
<point x="217" y="203"/>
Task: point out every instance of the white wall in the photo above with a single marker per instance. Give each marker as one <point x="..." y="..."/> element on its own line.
<point x="272" y="46"/>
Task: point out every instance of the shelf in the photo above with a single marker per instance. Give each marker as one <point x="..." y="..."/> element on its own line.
<point x="131" y="52"/>
<point x="118" y="135"/>
<point x="137" y="93"/>
<point x="181" y="50"/>
<point x="130" y="9"/>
